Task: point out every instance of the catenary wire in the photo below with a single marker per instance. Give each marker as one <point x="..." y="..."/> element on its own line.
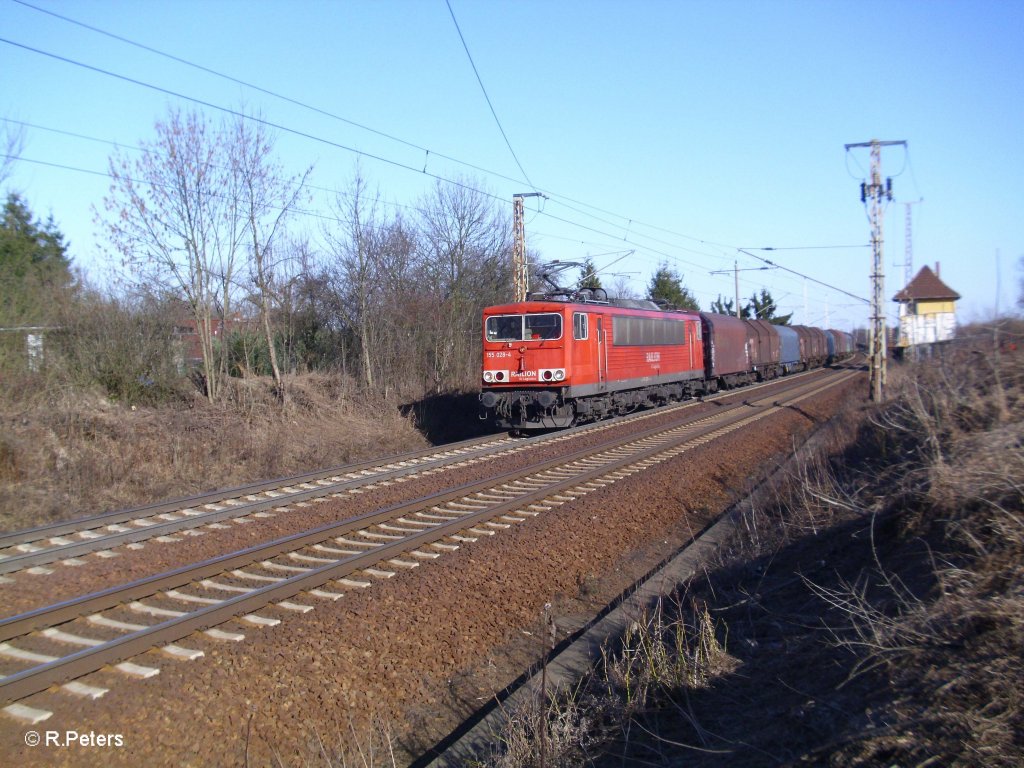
<point x="389" y="136"/>
<point x="406" y="166"/>
<point x="348" y="121"/>
<point x="476" y="72"/>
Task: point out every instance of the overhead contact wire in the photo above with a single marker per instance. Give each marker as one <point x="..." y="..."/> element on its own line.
<point x="488" y="98"/>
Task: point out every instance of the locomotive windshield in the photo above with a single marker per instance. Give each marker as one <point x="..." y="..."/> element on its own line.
<point x="547" y="325"/>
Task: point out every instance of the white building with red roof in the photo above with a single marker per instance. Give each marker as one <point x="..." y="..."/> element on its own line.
<point x="927" y="310"/>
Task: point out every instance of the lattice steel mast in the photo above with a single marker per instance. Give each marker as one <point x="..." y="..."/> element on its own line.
<point x="520" y="268"/>
<point x="908" y="262"/>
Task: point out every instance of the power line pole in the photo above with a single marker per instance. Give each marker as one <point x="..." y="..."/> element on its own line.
<point x="875" y="192"/>
<point x="520" y="269"/>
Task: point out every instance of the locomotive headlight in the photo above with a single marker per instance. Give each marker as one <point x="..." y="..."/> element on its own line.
<point x="551" y="374"/>
<point x="488" y="376"/>
<point x="559" y="374"/>
<point x="548" y="375"/>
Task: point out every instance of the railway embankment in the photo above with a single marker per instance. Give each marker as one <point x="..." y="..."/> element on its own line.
<point x="68" y="452"/>
<point x="867" y="610"/>
<point x="420" y="648"/>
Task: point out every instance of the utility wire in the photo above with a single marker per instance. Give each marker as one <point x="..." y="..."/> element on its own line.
<point x="337" y="220"/>
<point x="381" y="133"/>
<point x="641" y="246"/>
<point x="304" y="105"/>
<point x="348" y="121"/>
<point x="146" y="151"/>
<point x="147" y="183"/>
<point x="375" y="131"/>
<point x="312" y="137"/>
<point x="230" y="78"/>
<point x="488" y="98"/>
<point x="252" y="118"/>
<point x="803" y="247"/>
<point x="805" y="277"/>
<point x="309" y="213"/>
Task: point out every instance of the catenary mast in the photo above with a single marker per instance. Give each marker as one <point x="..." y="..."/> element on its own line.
<point x="875" y="194"/>
<point x="520" y="269"/>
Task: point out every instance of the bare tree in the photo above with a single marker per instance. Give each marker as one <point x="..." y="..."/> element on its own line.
<point x="1020" y="298"/>
<point x="353" y="251"/>
<point x="621" y="288"/>
<point x="173" y="214"/>
<point x="268" y="196"/>
<point x="400" y="312"/>
<point x="466" y="242"/>
<point x="12" y="140"/>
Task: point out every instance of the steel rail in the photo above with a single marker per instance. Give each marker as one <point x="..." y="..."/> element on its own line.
<point x="29" y="535"/>
<point x="29" y="559"/>
<point x="19" y="624"/>
<point x="39" y="678"/>
<point x="389" y="469"/>
<point x="71" y="609"/>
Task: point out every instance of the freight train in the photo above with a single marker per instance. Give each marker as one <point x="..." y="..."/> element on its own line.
<point x="549" y="364"/>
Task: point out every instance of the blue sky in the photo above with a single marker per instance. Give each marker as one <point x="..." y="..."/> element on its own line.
<point x="680" y="130"/>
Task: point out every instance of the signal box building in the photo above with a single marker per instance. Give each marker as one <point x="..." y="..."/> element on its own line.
<point x="927" y="311"/>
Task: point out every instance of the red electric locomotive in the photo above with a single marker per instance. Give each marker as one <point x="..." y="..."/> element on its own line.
<point x="549" y="364"/>
<point x="564" y="357"/>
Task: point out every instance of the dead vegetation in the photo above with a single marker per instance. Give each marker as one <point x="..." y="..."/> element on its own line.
<point x="66" y="452"/>
<point x="868" y="611"/>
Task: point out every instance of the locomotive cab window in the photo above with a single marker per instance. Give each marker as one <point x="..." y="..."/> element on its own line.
<point x="524" y="327"/>
<point x="505" y="328"/>
<point x="579" y="326"/>
<point x="546" y="326"/>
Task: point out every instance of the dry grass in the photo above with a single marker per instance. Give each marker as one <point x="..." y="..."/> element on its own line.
<point x="953" y="653"/>
<point x="560" y="730"/>
<point x="660" y="655"/>
<point x="66" y="453"/>
<point x="933" y="617"/>
<point x="665" y="652"/>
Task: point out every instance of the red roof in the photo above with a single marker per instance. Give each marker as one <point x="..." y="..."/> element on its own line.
<point x="926" y="286"/>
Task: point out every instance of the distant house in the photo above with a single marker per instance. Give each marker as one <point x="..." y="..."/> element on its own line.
<point x="187" y="335"/>
<point x="927" y="311"/>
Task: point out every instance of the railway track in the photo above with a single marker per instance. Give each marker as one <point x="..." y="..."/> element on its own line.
<point x="61" y="644"/>
<point x="65" y="541"/>
<point x="35" y="550"/>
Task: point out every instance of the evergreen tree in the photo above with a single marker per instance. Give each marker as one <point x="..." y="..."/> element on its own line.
<point x="763" y="307"/>
<point x="34" y="266"/>
<point x="588" y="275"/>
<point x="722" y="307"/>
<point x="667" y="287"/>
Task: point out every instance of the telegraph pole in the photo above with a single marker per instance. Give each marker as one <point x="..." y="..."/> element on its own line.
<point x="874" y="192"/>
<point x="520" y="269"/>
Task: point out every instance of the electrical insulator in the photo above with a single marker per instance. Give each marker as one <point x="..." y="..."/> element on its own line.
<point x="863" y="192"/>
<point x="888" y="188"/>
